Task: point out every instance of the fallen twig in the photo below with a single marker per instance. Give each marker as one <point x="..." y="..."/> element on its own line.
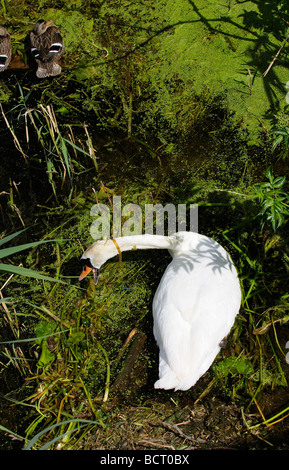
<point x="282" y="45"/>
<point x="176" y="430"/>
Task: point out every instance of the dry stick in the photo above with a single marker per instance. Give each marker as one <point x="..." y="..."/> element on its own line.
<point x="12" y="205"/>
<point x="16" y="141"/>
<point x="176" y="430"/>
<point x="126" y="343"/>
<point x="282" y="45"/>
<point x="40" y="138"/>
<point x="130" y="114"/>
<point x="91" y="148"/>
<point x="256" y="403"/>
<point x="104" y="189"/>
<point x="156" y="444"/>
<point x="72" y="139"/>
<point x="4" y="305"/>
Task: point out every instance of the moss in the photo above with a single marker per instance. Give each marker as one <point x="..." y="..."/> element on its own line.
<point x="210" y="47"/>
<point x="76" y="28"/>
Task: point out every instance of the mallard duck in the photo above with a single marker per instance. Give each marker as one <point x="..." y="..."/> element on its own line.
<point x="46" y="47"/>
<point x="5" y="49"/>
<point x="194" y="307"/>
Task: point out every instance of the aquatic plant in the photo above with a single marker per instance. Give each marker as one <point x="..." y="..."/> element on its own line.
<point x="274" y="200"/>
<point x="20" y="270"/>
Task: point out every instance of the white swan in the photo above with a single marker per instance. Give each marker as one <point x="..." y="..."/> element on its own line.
<point x="195" y="304"/>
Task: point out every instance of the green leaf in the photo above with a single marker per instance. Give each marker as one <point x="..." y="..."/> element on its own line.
<point x="10" y="237"/>
<point x="12" y="433"/>
<point x="6" y="299"/>
<point x="269" y="173"/>
<point x="244" y="367"/>
<point x="44" y="329"/>
<point x="46" y="356"/>
<point x="234" y="365"/>
<point x="278" y="182"/>
<point x="76" y="146"/>
<point x="66" y="156"/>
<point x="277" y="141"/>
<point x="280" y="132"/>
<point x="16" y="249"/>
<point x="62" y="423"/>
<point x="75" y="338"/>
<point x="10" y="268"/>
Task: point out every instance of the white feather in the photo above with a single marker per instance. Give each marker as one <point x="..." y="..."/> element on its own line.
<point x="195" y="304"/>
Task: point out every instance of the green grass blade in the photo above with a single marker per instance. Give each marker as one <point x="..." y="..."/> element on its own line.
<point x="16" y="249"/>
<point x="5" y="299"/>
<point x="10" y="237"/>
<point x="2" y="428"/>
<point x="66" y="157"/>
<point x="53" y="426"/>
<point x="62" y="436"/>
<point x="36" y="338"/>
<point x="75" y="146"/>
<point x="11" y="269"/>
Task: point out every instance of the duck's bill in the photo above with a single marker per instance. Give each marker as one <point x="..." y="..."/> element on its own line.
<point x="86" y="270"/>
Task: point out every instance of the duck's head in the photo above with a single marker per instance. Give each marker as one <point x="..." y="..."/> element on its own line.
<point x="41" y="26"/>
<point x="3" y="31"/>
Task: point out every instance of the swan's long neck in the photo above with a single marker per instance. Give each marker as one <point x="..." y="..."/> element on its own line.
<point x="103" y="250"/>
<point x="143" y="242"/>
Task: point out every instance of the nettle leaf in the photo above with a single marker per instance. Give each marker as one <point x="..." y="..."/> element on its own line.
<point x="234" y="365"/>
<point x="244" y="367"/>
<point x="46" y="356"/>
<point x="75" y="338"/>
<point x="43" y="329"/>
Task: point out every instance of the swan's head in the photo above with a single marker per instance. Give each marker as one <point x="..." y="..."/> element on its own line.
<point x="86" y="269"/>
<point x="95" y="256"/>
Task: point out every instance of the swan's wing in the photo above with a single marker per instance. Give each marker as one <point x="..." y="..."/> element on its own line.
<point x="194" y="309"/>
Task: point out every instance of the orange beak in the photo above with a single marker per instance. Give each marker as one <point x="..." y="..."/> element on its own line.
<point x="85" y="271"/>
